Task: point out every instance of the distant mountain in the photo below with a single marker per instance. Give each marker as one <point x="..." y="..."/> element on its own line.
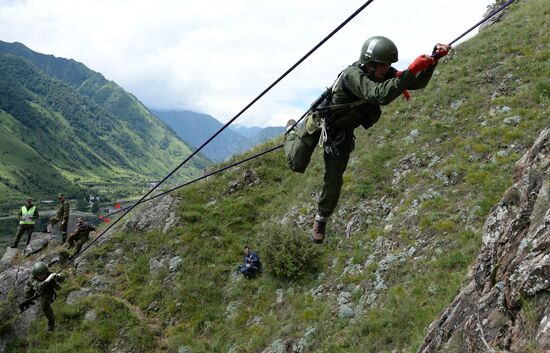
<point x="268" y="133"/>
<point x="246" y="131"/>
<point x="258" y="134"/>
<point x="195" y="128"/>
<point x="65" y="127"/>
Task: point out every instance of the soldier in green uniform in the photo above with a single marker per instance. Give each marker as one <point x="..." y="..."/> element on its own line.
<point x="42" y="286"/>
<point x="80" y="236"/>
<point x="28" y="215"/>
<point x="62" y="216"/>
<point x="354" y="100"/>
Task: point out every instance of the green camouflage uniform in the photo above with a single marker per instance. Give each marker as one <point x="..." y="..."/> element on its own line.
<point x="353" y="85"/>
<point x="80" y="236"/>
<point x="61" y="215"/>
<point x="25" y="227"/>
<point x="45" y="292"/>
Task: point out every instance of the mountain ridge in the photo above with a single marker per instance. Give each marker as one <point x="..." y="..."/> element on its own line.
<point x="196" y="128"/>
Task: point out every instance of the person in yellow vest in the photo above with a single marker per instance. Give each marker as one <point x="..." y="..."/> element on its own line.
<point x="28" y="215"/>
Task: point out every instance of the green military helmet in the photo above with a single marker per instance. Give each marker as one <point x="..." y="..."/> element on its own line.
<point x="40" y="269"/>
<point x="378" y="50"/>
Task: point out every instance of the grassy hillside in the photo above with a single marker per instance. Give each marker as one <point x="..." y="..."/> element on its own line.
<point x="418" y="188"/>
<point x="95" y="135"/>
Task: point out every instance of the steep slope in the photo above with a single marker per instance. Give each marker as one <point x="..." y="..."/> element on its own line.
<point x="417" y="193"/>
<point x="89" y="129"/>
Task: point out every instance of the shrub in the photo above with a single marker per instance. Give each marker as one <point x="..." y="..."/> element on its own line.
<point x="288" y="253"/>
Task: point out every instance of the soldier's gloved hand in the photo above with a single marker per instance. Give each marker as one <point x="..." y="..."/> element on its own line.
<point x="420" y="64"/>
<point x="50" y="277"/>
<point x="440" y="50"/>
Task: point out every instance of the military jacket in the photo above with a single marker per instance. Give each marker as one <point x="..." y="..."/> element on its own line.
<point x="41" y="288"/>
<point x="82" y="232"/>
<point x="355" y="85"/>
<point x="63" y="210"/>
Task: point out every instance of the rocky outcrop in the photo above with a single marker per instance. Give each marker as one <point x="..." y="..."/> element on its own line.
<point x="497" y="18"/>
<point x="12" y="288"/>
<point x="8" y="258"/>
<point x="249" y="178"/>
<point x="154" y="216"/>
<point x="504" y="305"/>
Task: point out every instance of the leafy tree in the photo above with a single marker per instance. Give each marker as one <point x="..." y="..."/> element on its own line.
<point x="82" y="204"/>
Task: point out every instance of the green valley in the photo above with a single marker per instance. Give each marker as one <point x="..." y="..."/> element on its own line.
<point x="65" y="127"/>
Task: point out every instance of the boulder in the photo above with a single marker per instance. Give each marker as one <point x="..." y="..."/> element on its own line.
<point x="75" y="296"/>
<point x="158" y="215"/>
<point x="175" y="263"/>
<point x="8" y="258"/>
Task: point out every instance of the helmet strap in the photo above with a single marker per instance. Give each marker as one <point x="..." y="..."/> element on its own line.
<point x="369" y="70"/>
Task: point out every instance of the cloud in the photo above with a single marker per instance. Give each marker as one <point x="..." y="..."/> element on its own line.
<point x="215" y="56"/>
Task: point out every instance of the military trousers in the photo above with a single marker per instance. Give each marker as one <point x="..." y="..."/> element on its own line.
<point x="22" y="229"/>
<point x="46" y="303"/>
<point x="299" y="146"/>
<point x="77" y="243"/>
<point x="62" y="227"/>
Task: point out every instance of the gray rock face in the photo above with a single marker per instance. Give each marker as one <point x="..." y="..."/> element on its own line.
<point x="75" y="296"/>
<point x="12" y="290"/>
<point x="249" y="178"/>
<point x="175" y="263"/>
<point x="345" y="312"/>
<point x="7" y="259"/>
<point x="91" y="315"/>
<point x="154" y="215"/>
<point x="38" y="242"/>
<point x="505" y="303"/>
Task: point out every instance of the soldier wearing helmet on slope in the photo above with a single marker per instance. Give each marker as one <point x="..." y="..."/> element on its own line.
<point x="42" y="286"/>
<point x="354" y="100"/>
<point x="79" y="236"/>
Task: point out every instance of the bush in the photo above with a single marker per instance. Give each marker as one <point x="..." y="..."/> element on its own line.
<point x="288" y="253"/>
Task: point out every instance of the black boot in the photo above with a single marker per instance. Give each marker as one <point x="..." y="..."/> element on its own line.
<point x="51" y="326"/>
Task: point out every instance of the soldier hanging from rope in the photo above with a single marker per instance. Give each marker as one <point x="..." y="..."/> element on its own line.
<point x="354" y="100"/>
<point x="42" y="286"/>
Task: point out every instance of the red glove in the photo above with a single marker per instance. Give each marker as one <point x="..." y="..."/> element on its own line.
<point x="440" y="50"/>
<point x="420" y="64"/>
<point x="406" y="93"/>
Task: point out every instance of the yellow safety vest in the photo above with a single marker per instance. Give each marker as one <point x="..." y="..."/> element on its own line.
<point x="26" y="215"/>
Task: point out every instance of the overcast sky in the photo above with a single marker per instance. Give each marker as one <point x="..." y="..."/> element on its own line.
<point x="214" y="57"/>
